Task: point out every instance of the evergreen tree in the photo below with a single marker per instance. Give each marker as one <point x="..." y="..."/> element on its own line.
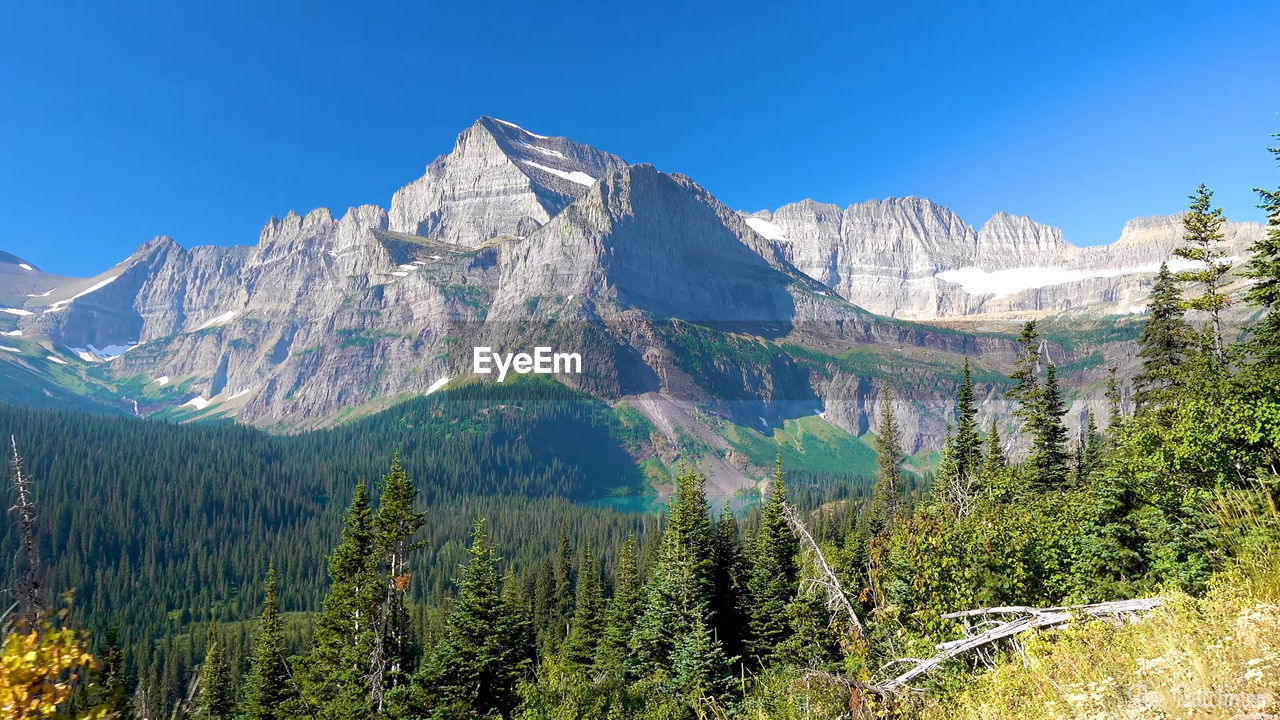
<point x="394" y="525"/>
<point x="332" y="676"/>
<point x="1026" y="391"/>
<point x="268" y="692"/>
<point x="1048" y="459"/>
<point x="1264" y="270"/>
<point x="968" y="442"/>
<point x="216" y="700"/>
<point x="562" y="591"/>
<point x="774" y="574"/>
<point x="673" y="642"/>
<point x="729" y="579"/>
<point x="993" y="461"/>
<point x="1091" y="450"/>
<point x="1202" y="234"/>
<point x="474" y="670"/>
<point x="889" y="464"/>
<point x="1163" y="342"/>
<point x="621" y="614"/>
<point x="579" y="648"/>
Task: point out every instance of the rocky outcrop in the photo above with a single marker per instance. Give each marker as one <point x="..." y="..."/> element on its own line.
<point x="499" y="180"/>
<point x="912" y="258"/>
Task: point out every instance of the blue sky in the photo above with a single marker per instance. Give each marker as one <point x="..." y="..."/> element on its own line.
<point x="122" y="120"/>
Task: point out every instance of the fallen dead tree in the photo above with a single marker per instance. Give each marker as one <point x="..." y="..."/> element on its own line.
<point x="1024" y="620"/>
<point x="986" y="632"/>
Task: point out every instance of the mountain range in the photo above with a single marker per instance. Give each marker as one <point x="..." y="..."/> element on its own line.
<point x="727" y="331"/>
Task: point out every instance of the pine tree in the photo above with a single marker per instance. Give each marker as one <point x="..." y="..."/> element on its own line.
<point x="1026" y="391"/>
<point x="394" y="526"/>
<point x="1163" y="343"/>
<point x="333" y="676"/>
<point x="479" y="661"/>
<point x="1048" y="459"/>
<point x="968" y="442"/>
<point x="268" y="692"/>
<point x="674" y="627"/>
<point x="993" y="461"/>
<point x="889" y="465"/>
<point x="1091" y="450"/>
<point x="1264" y="270"/>
<point x="729" y="580"/>
<point x="775" y="574"/>
<point x="1203" y="233"/>
<point x="621" y="614"/>
<point x="580" y="646"/>
<point x="216" y="700"/>
<point x="562" y="591"/>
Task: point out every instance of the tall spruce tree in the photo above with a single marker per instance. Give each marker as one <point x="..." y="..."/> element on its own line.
<point x="729" y="579"/>
<point x="584" y="633"/>
<point x="333" y="676"/>
<point x="1163" y="343"/>
<point x="1264" y="270"/>
<point x="1026" y="391"/>
<point x="1048" y="459"/>
<point x="775" y="574"/>
<point x="674" y="629"/>
<point x="993" y="461"/>
<point x="968" y="442"/>
<point x="474" y="671"/>
<point x="1202" y="244"/>
<point x="887" y="491"/>
<point x="268" y="692"/>
<point x="621" y="613"/>
<point x="1091" y="451"/>
<point x="394" y="525"/>
<point x="216" y="700"/>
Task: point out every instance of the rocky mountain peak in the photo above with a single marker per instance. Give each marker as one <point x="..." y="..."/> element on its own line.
<point x="499" y="179"/>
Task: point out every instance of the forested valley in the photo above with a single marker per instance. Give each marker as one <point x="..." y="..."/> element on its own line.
<point x="534" y="607"/>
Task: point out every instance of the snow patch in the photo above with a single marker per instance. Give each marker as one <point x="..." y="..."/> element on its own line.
<point x="25" y="266"/>
<point x="96" y="354"/>
<point x="545" y="151"/>
<point x="56" y="359"/>
<point x="240" y="394"/>
<point x="43" y="294"/>
<point x="12" y="333"/>
<point x="406" y="267"/>
<point x="437" y="385"/>
<point x="577" y="176"/>
<point x="399" y="273"/>
<point x="196" y="402"/>
<point x="766" y="229"/>
<point x="16" y="311"/>
<point x="92" y="288"/>
<point x="162" y="380"/>
<point x="219" y="320"/>
<point x="6" y="348"/>
<point x="765" y="423"/>
<point x="526" y="132"/>
<point x="1001" y="283"/>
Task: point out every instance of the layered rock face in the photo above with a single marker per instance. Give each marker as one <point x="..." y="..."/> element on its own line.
<point x="499" y="180"/>
<point x="912" y="258"/>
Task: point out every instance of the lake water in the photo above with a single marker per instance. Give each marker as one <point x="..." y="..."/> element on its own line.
<point x="658" y="503"/>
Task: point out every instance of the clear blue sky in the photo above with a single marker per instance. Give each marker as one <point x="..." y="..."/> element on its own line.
<point x="122" y="120"/>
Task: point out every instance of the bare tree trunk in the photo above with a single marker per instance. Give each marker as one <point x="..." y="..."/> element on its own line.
<point x="836" y="597"/>
<point x="29" y="581"/>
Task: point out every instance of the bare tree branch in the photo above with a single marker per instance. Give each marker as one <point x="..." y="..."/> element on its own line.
<point x="836" y="597"/>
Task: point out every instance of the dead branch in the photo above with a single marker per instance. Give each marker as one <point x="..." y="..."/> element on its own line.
<point x="1029" y="619"/>
<point x="836" y="597"/>
<point x="29" y="581"/>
